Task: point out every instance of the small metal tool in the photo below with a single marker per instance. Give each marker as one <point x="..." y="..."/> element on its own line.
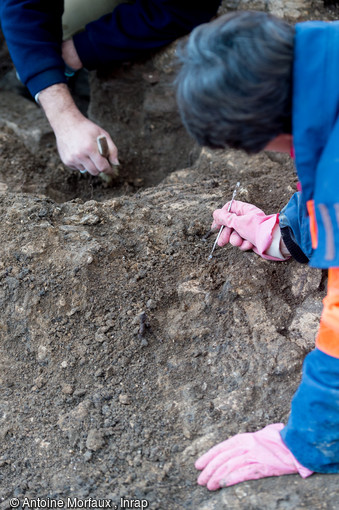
<point x="103" y="146"/>
<point x="104" y="152"/>
<point x="222" y="226"/>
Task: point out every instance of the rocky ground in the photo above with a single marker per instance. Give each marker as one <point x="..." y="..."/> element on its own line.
<point x="124" y="351"/>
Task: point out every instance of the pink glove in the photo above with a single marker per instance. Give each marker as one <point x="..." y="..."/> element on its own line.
<point x="247" y="227"/>
<point x="248" y="457"/>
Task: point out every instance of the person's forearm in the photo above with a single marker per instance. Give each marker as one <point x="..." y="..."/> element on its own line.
<point x="70" y="55"/>
<point x="59" y="105"/>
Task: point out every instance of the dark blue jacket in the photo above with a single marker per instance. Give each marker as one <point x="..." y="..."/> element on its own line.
<point x="33" y="33"/>
<point x="312" y="432"/>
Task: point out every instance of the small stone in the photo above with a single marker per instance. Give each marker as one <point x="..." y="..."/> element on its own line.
<point x="42" y="352"/>
<point x="80" y="392"/>
<point x="167" y="467"/>
<point x="88" y="456"/>
<point x="187" y="433"/>
<point x="123" y="361"/>
<point x="89" y="219"/>
<point x="67" y="389"/>
<point x="95" y="439"/>
<point x="129" y="479"/>
<point x="151" y="304"/>
<point x="125" y="399"/>
<point x="43" y="212"/>
<point x="64" y="364"/>
<point x="38" y="383"/>
<point x="109" y="372"/>
<point x="100" y="337"/>
<point x="115" y="204"/>
<point x="3" y="187"/>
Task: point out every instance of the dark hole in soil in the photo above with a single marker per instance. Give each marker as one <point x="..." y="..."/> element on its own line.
<point x="149" y="135"/>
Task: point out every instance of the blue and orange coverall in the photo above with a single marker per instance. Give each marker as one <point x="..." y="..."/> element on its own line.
<point x="310" y="228"/>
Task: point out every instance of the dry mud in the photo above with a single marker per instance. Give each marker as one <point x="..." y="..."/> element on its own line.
<point x="124" y="351"/>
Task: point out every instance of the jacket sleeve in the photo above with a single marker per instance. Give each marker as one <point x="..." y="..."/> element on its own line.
<point x="316" y="132"/>
<point x="32" y="29"/>
<point x="132" y="29"/>
<point x="295" y="231"/>
<point x="312" y="431"/>
<point x="33" y="32"/>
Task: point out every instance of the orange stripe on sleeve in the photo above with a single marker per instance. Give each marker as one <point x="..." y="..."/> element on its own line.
<point x="313" y="223"/>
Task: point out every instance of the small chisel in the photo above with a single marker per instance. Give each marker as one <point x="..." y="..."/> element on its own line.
<point x="104" y="152"/>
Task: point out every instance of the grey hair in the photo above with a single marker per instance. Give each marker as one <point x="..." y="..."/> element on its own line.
<point x="234" y="85"/>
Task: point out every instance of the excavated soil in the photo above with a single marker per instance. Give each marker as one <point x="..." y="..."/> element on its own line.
<point x="124" y="352"/>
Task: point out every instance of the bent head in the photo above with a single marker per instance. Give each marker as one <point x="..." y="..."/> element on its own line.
<point x="234" y="86"/>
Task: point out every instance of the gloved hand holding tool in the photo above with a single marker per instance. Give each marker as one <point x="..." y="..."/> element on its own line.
<point x="249" y="228"/>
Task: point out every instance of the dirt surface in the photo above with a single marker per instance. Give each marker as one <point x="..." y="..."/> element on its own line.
<point x="124" y="351"/>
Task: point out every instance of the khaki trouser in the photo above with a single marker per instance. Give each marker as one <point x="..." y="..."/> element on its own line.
<point x="78" y="13"/>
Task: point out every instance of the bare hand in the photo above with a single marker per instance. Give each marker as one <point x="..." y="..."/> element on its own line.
<point x="76" y="135"/>
<point x="77" y="145"/>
